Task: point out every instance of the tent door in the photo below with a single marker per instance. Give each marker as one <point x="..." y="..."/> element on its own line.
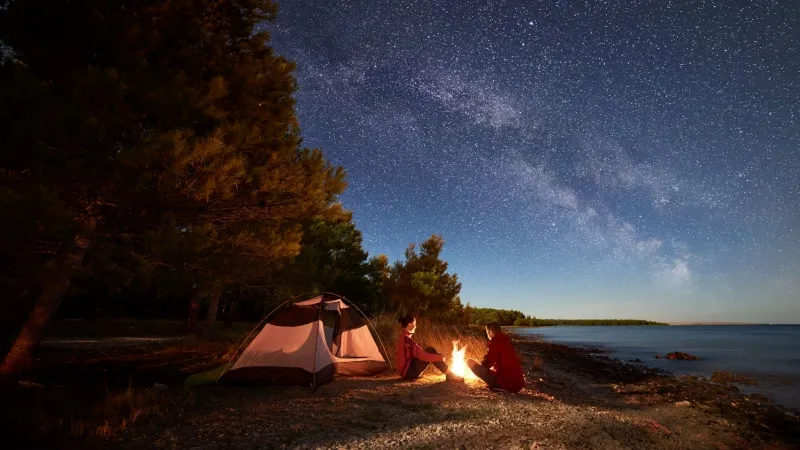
<point x="330" y="321"/>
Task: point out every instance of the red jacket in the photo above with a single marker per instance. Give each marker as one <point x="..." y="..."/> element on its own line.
<point x="406" y="350"/>
<point x="502" y="360"/>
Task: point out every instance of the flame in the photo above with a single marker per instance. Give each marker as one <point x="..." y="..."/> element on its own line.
<point x="458" y="364"/>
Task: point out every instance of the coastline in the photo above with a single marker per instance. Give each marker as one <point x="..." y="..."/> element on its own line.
<point x="763" y="356"/>
<point x="760" y="420"/>
<point x="576" y="398"/>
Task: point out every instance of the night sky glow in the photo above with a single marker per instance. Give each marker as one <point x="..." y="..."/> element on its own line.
<point x="620" y="159"/>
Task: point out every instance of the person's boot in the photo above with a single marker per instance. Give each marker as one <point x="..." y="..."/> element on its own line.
<point x="451" y="377"/>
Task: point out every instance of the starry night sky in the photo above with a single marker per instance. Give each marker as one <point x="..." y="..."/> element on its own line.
<point x="631" y="159"/>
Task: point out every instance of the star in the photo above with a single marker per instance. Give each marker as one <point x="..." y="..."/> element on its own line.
<point x="645" y="154"/>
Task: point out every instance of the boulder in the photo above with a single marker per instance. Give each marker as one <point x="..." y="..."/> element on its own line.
<point x="682" y="356"/>
<point x="678" y="356"/>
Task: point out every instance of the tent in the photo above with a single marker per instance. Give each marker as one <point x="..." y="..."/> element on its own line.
<point x="307" y="344"/>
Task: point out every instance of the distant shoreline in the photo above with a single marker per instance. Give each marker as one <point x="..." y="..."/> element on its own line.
<point x="587" y="325"/>
<point x="730" y="323"/>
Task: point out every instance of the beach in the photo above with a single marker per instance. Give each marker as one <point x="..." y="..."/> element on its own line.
<point x="575" y="398"/>
<point x="768" y="356"/>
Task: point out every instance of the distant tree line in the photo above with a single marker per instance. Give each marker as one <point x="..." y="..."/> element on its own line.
<point x="533" y="322"/>
<point x="152" y="166"/>
<point x="505" y="317"/>
<point x="482" y="316"/>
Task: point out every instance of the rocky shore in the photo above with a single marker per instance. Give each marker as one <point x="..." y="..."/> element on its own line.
<point x="576" y="398"/>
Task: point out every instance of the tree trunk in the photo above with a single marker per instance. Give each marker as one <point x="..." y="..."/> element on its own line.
<point x="45" y="308"/>
<point x="229" y="315"/>
<point x="194" y="310"/>
<point x="213" y="307"/>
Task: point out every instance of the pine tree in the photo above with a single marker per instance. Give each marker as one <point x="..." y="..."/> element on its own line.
<point x="333" y="259"/>
<point x="422" y="284"/>
<point x="166" y="127"/>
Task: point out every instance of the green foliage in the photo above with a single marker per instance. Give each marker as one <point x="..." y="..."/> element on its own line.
<point x="163" y="133"/>
<point x="533" y="322"/>
<point x="422" y="284"/>
<point x="522" y="322"/>
<point x="181" y="121"/>
<point x="483" y="316"/>
<point x="333" y="260"/>
<point x="165" y="129"/>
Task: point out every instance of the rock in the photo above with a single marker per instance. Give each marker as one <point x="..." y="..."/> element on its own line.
<point x="728" y="377"/>
<point x="679" y="356"/>
<point x="683" y="403"/>
<point x="159" y="386"/>
<point x="637" y="360"/>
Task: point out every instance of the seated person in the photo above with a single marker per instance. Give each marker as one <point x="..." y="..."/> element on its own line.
<point x="411" y="359"/>
<point x="500" y="368"/>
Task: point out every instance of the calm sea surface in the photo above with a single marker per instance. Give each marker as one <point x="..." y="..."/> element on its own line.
<point x="768" y="353"/>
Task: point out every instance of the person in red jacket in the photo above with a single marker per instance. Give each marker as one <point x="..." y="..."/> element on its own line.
<point x="500" y="368"/>
<point x="411" y="359"/>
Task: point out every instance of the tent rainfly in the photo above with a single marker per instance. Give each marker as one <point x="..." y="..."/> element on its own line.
<point x="306" y="344"/>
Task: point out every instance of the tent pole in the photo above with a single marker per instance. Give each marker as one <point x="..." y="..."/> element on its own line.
<point x="253" y="331"/>
<point x="316" y="341"/>
<point x="373" y="329"/>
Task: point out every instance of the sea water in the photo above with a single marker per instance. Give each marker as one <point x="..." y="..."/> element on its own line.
<point x="769" y="354"/>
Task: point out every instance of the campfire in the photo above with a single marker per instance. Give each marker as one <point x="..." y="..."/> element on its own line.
<point x="458" y="365"/>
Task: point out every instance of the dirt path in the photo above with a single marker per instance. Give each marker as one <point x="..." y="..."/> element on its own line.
<point x="564" y="407"/>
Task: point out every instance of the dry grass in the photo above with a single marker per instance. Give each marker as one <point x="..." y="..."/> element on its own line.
<point x="433" y="334"/>
<point x="121" y="411"/>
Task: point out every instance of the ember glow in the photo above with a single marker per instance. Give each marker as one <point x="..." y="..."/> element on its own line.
<point x="458" y="364"/>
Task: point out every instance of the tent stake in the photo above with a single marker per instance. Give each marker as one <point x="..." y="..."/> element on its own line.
<point x="316" y="341"/>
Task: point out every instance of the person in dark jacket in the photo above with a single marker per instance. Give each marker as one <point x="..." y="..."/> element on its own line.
<point x="411" y="359"/>
<point x="500" y="368"/>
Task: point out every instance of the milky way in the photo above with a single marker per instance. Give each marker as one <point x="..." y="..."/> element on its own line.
<point x="581" y="159"/>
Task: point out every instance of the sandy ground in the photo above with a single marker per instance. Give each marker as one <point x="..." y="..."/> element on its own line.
<point x="574" y="400"/>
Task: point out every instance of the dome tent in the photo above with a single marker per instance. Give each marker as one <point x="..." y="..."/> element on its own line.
<point x="307" y="344"/>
